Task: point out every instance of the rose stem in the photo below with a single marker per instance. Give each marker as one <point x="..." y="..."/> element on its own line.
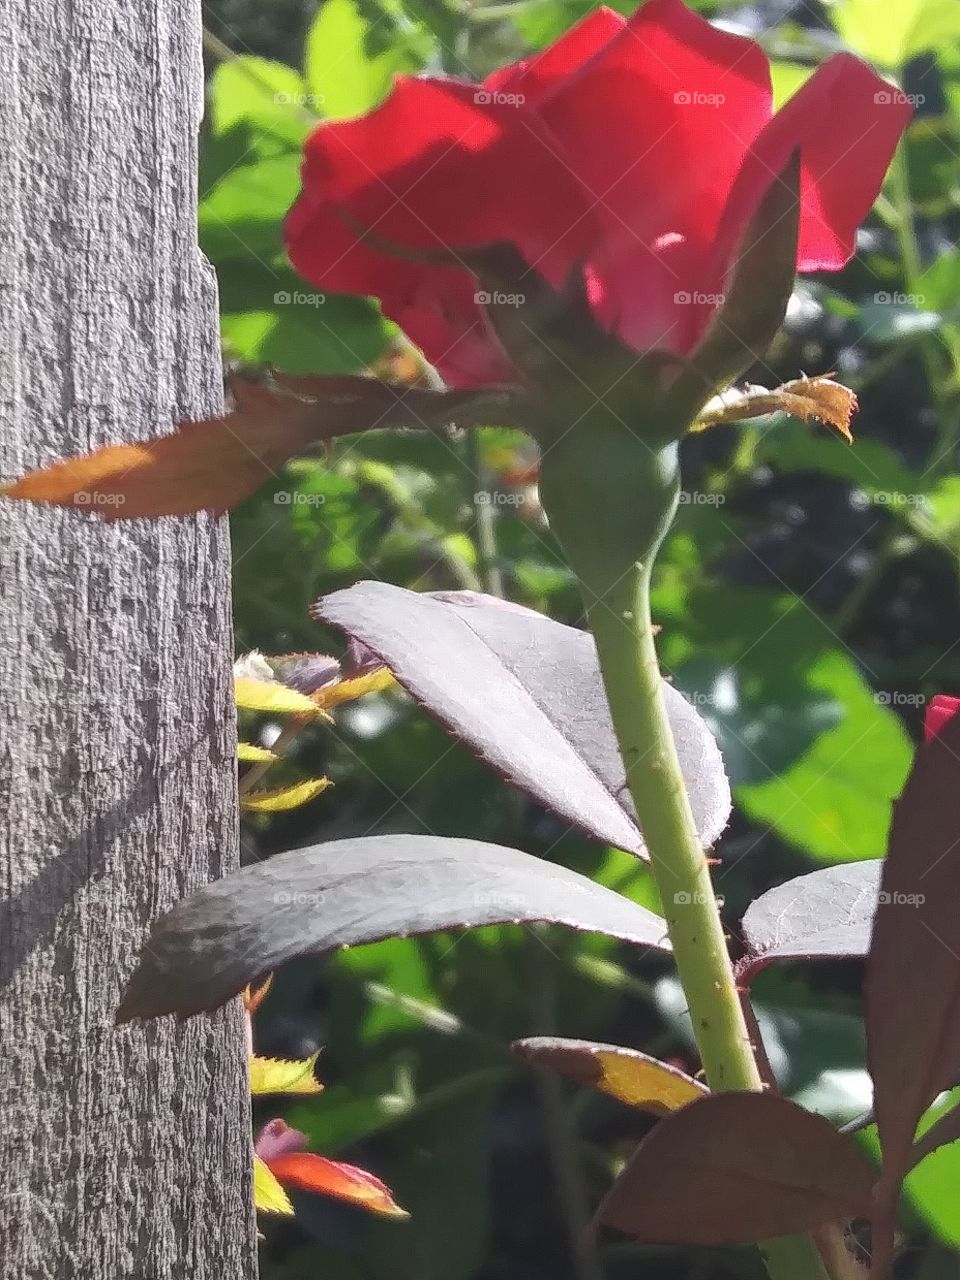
<point x="611" y="497"/>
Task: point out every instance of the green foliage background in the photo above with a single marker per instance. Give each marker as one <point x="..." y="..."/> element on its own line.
<point x="809" y="604"/>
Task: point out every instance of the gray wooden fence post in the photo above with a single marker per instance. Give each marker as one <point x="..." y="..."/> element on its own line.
<point x="124" y="1152"/>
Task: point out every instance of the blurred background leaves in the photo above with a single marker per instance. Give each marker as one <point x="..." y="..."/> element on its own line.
<point x="809" y="603"/>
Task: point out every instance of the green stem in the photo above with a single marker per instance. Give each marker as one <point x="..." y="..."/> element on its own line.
<point x="484" y="518"/>
<point x="621" y="624"/>
<point x="611" y="495"/>
<point x="905" y="226"/>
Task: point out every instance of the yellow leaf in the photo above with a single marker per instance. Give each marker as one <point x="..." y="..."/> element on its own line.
<point x="346" y="690"/>
<point x="268" y="1195"/>
<point x="269" y="695"/>
<point x="284" y="797"/>
<point x="626" y="1074"/>
<point x="246" y="751"/>
<point x="281" y="1075"/>
<point x="651" y="1086"/>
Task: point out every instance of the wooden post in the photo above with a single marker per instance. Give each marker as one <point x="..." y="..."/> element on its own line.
<point x="124" y="1152"/>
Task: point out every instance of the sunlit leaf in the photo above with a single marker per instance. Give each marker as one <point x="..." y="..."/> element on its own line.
<point x="250" y="754"/>
<point x="524" y="694"/>
<point x="355" y="48"/>
<point x="625" y="1074"/>
<point x="268" y="1195"/>
<point x="834" y="801"/>
<point x="269" y="96"/>
<point x="349" y="892"/>
<point x="282" y="1075"/>
<point x="892" y="34"/>
<point x="823" y="915"/>
<point x="242" y="213"/>
<point x="307" y="1172"/>
<point x="280" y="799"/>
<point x="271" y="696"/>
<point x="356" y="687"/>
<point x="215" y="464"/>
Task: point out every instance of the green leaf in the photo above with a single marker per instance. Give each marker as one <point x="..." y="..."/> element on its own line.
<point x="355" y="48"/>
<point x="786" y="79"/>
<point x="939" y="285"/>
<point x="270" y="316"/>
<point x="870" y="465"/>
<point x="811" y="750"/>
<point x="943" y="511"/>
<point x="930" y="1190"/>
<point x="892" y="34"/>
<point x="834" y="802"/>
<point x="540" y="22"/>
<point x="243" y="212"/>
<point x="270" y="97"/>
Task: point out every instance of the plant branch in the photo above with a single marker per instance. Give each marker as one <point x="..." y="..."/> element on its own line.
<point x="611" y="497"/>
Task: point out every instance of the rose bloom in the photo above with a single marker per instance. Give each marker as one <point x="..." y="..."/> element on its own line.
<point x="634" y="151"/>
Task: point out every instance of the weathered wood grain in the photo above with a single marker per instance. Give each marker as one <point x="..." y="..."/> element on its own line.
<point x="123" y="1152"/>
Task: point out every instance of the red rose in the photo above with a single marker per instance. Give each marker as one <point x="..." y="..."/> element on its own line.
<point x="636" y="149"/>
<point x="940" y="711"/>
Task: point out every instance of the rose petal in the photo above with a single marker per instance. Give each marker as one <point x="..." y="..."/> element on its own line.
<point x="533" y="77"/>
<point x="410" y="173"/>
<point x="940" y="711"/>
<point x="656" y="125"/>
<point x="846" y="122"/>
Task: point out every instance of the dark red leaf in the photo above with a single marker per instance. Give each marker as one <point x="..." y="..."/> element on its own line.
<point x="348" y="892"/>
<point x="737" y="1168"/>
<point x="524" y="694"/>
<point x="913" y="969"/>
<point x="823" y="915"/>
